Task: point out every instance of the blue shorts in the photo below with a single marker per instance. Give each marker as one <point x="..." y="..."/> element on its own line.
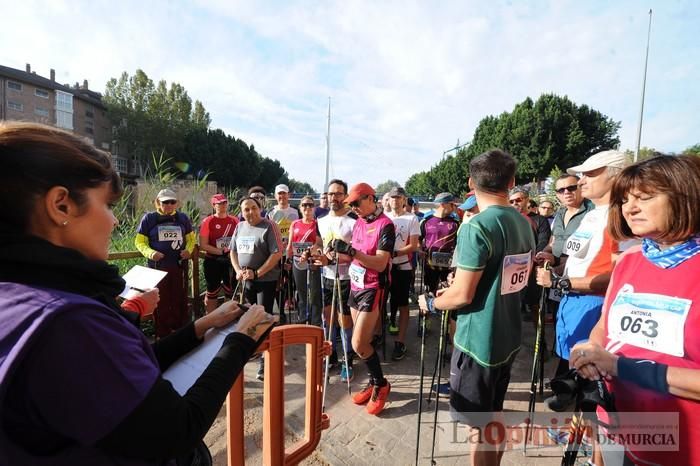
<point x="576" y="317"/>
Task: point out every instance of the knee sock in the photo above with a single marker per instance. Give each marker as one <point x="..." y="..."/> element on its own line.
<point x="348" y="341"/>
<point x="375" y="370"/>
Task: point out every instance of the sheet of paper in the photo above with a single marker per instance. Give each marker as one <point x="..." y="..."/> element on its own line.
<point x="141" y="278"/>
<point x="186" y="370"/>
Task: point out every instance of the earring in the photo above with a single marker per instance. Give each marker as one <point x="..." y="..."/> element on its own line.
<point x="65" y="222"/>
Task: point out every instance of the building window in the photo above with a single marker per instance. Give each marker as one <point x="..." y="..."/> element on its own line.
<point x="89" y="114"/>
<point x="14" y="85"/>
<point x="41" y="93"/>
<point x="15" y="106"/>
<point x="120" y="164"/>
<point x="42" y="111"/>
<point x="88" y="130"/>
<point x="64" y="110"/>
<point x="64" y="120"/>
<point x="64" y="101"/>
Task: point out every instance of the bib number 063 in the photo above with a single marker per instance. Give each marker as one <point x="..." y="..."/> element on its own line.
<point x="650" y="330"/>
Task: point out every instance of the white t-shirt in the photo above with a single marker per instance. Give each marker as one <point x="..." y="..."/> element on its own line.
<point x="283" y="218"/>
<point x="406" y="225"/>
<point x="590" y="245"/>
<point x="332" y="227"/>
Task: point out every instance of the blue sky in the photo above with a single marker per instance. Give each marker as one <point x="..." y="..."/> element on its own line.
<point x="406" y="79"/>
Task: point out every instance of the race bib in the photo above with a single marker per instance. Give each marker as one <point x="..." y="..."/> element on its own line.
<point x="516" y="270"/>
<point x="169" y="233"/>
<point x="555" y="294"/>
<point x="440" y="259"/>
<point x="299" y="248"/>
<point x="357" y="275"/>
<point x="650" y="321"/>
<point x="245" y="245"/>
<point x="224" y="242"/>
<point x="577" y="244"/>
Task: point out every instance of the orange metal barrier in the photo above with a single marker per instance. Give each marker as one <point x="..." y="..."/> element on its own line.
<point x="274" y="453"/>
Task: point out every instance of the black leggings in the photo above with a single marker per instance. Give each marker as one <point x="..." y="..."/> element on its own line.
<point x="263" y="293"/>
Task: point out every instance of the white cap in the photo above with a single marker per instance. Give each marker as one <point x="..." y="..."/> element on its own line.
<point x="608" y="158"/>
<point x="166" y="195"/>
<point x="281" y="188"/>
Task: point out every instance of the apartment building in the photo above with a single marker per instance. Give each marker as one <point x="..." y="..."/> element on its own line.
<point x="27" y="96"/>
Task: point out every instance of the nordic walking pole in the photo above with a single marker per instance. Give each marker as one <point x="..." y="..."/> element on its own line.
<point x="444" y="324"/>
<point x="343" y="339"/>
<point x="328" y="358"/>
<point x="307" y="319"/>
<point x="420" y="386"/>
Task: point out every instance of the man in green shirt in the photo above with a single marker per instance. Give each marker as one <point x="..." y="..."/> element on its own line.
<point x="494" y="259"/>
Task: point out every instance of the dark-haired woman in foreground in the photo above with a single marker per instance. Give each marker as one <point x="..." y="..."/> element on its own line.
<point x="79" y="383"/>
<point x="646" y="341"/>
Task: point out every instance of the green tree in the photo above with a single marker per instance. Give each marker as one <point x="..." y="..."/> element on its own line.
<point x="300" y="187"/>
<point x="386" y="186"/>
<point x="539" y="134"/>
<point x="151" y="118"/>
<point x="693" y="150"/>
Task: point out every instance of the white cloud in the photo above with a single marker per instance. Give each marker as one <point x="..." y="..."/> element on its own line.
<point x="407" y="79"/>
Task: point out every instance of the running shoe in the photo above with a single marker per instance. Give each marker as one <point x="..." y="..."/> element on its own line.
<point x="363" y="395"/>
<point x="399" y="351"/>
<point x="333" y="360"/>
<point x="559" y="403"/>
<point x="442" y="389"/>
<point x="346" y="374"/>
<point x="378" y="399"/>
<point x="393" y="329"/>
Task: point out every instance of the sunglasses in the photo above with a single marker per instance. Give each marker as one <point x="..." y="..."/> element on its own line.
<point x="307" y="205"/>
<point x="572" y="189"/>
<point x="336" y="194"/>
<point x="169" y="202"/>
<point x="517" y="199"/>
<point x="356" y="203"/>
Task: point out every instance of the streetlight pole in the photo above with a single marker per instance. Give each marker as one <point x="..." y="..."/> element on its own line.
<point x="644" y="85"/>
<point x="456" y="147"/>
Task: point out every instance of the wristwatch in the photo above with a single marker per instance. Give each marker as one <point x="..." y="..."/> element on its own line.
<point x="562" y="283"/>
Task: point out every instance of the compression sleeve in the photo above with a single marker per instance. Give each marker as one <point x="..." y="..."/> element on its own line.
<point x="387" y="238"/>
<point x="143" y="246"/>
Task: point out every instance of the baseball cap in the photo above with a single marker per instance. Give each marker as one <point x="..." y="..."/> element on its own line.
<point x="410" y="201"/>
<point x="166" y="195"/>
<point x="281" y="188"/>
<point x="443" y="198"/>
<point x="359" y="190"/>
<point x="469" y="204"/>
<point x="607" y="158"/>
<point x="397" y="191"/>
<point x="218" y="199"/>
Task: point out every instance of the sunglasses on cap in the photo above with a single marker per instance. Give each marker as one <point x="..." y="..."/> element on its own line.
<point x="307" y="204"/>
<point x="517" y="199"/>
<point x="257" y="196"/>
<point x="169" y="202"/>
<point x="571" y="188"/>
<point x="356" y="203"/>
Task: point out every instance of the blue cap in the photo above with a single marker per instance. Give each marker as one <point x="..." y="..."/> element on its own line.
<point x="469" y="204"/>
<point x="444" y="198"/>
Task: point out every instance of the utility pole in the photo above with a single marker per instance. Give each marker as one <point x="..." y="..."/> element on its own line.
<point x="644" y="85"/>
<point x="328" y="146"/>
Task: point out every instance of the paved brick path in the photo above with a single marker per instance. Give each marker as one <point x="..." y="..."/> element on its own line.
<point x="357" y="438"/>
